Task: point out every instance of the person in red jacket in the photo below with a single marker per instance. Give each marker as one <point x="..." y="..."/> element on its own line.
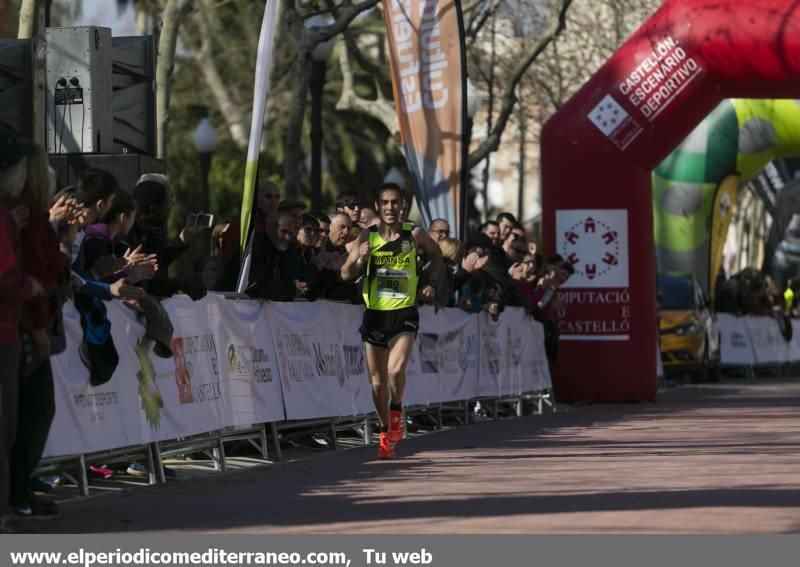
<point x="15" y="288"/>
<point x="41" y="258"/>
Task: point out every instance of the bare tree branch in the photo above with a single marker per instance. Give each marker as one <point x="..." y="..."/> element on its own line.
<point x="380" y="109"/>
<point x="173" y="15"/>
<point x="554" y="29"/>
<point x="204" y="58"/>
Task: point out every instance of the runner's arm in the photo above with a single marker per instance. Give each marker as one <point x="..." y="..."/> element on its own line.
<point x="432" y="252"/>
<point x="352" y="267"/>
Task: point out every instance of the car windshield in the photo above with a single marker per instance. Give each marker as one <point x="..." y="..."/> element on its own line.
<point x="675" y="293"/>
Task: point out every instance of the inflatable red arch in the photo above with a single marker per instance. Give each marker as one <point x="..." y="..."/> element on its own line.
<point x="598" y="152"/>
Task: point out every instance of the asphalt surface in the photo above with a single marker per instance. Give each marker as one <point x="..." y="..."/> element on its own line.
<point x="721" y="458"/>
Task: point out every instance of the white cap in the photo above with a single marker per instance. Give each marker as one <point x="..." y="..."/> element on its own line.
<point x="155" y="177"/>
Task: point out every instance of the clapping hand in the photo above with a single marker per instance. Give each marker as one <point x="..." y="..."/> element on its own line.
<point x="473" y="262"/>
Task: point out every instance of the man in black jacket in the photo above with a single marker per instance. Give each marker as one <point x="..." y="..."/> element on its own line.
<point x="269" y="253"/>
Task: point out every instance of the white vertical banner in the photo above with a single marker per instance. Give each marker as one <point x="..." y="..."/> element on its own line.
<point x="189" y="383"/>
<point x="97" y="418"/>
<point x="251" y="387"/>
<point x="736" y="347"/>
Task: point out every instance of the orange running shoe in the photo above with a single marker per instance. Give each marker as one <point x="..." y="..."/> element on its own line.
<point x="385" y="449"/>
<point x="395" y="425"/>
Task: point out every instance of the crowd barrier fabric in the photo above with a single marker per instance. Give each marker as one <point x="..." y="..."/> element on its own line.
<point x="244" y="362"/>
<point x="749" y="341"/>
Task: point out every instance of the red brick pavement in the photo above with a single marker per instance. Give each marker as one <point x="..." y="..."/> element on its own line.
<point x="720" y="458"/>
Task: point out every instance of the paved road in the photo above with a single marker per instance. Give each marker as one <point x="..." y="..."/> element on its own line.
<point x="722" y="458"/>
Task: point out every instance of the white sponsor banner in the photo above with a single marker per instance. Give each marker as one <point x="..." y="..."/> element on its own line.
<point x="251" y="387"/>
<point x="736" y="348"/>
<point x="769" y="345"/>
<point x="534" y="366"/>
<point x="446" y="357"/>
<point x="347" y="320"/>
<point x="505" y="366"/>
<point x="189" y="384"/>
<point x="310" y="354"/>
<point x="794" y="345"/>
<point x="238" y="363"/>
<point x="90" y="418"/>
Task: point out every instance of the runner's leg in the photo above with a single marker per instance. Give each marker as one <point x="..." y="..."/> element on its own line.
<point x="398" y="354"/>
<point x="377" y="360"/>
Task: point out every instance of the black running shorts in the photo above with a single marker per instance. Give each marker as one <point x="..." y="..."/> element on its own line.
<point x="380" y="327"/>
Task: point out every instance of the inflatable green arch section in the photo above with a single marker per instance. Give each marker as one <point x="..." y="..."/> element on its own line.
<point x="739" y="137"/>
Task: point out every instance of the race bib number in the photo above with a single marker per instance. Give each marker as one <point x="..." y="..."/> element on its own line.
<point x="392" y="284"/>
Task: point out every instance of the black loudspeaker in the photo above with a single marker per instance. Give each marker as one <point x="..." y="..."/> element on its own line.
<point x="126" y="167"/>
<point x="133" y="64"/>
<point x="16" y="86"/>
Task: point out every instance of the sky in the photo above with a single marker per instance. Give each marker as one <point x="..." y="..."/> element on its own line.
<point x="104" y="13"/>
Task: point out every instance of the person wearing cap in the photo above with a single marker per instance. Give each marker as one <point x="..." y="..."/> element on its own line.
<point x="295" y="210"/>
<point x="154" y="201"/>
<point x="16" y="287"/>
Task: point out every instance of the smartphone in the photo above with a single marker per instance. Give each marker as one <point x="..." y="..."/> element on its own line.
<point x="201" y="220"/>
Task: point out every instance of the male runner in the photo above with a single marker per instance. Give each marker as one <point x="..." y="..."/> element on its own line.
<point x="386" y="254"/>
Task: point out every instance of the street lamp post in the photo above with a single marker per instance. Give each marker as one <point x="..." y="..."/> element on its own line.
<point x="319" y="67"/>
<point x="204" y="138"/>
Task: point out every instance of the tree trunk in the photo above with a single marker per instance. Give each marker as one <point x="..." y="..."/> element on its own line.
<point x="301" y="75"/>
<point x="174" y="12"/>
<point x="27" y="18"/>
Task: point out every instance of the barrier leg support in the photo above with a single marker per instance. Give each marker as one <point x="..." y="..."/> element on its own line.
<point x="334" y="442"/>
<point x="518" y="406"/>
<point x="367" y="431"/>
<point x="151" y="465"/>
<point x="495" y="407"/>
<point x="161" y="478"/>
<point x="276" y="441"/>
<point x="439" y="417"/>
<point x="83" y="479"/>
<point x="220" y="463"/>
<point x="466" y="412"/>
<point x="262" y="434"/>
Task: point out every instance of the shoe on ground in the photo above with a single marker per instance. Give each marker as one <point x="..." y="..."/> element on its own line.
<point x="396" y="428"/>
<point x="44" y="483"/>
<point x="104" y="473"/>
<point x="385" y="448"/>
<point x="136" y="469"/>
<point x="306" y="442"/>
<point x="36" y="509"/>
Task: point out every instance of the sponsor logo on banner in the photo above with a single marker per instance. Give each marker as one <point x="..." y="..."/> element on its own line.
<point x="429" y="359"/>
<point x="354" y="360"/>
<point x="149" y="394"/>
<point x="329" y="362"/>
<point x="248" y="361"/>
<point x="596" y="300"/>
<point x="613" y="121"/>
<point x="294" y="356"/>
<point x="491" y="351"/>
<point x="514" y="349"/>
<point x="659" y="78"/>
<point x="595" y="243"/>
<point x="188" y="352"/>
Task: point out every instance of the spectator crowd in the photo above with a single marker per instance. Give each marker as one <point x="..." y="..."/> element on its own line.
<point x="96" y="242"/>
